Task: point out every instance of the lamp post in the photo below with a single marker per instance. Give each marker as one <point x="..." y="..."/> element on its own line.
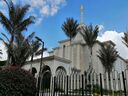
<point x="39" y="77"/>
<point x="41" y="52"/>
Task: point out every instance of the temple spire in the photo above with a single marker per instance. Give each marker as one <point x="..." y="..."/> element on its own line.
<point x="81" y="14"/>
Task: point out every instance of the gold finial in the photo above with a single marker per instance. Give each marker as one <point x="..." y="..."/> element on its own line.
<point x="81" y="14"/>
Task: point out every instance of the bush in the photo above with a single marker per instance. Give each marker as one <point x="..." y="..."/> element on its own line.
<point x="16" y="82"/>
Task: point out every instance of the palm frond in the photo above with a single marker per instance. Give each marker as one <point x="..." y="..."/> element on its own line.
<point x="12" y="10"/>
<point x="5" y="22"/>
<point x="30" y="37"/>
<point x="19" y="48"/>
<point x="39" y="52"/>
<point x="23" y="25"/>
<point x="5" y="37"/>
<point x="35" y="45"/>
<point x="70" y="27"/>
<point x="125" y="39"/>
<point x="90" y="35"/>
<point x="5" y="43"/>
<point x="107" y="55"/>
<point x="20" y="13"/>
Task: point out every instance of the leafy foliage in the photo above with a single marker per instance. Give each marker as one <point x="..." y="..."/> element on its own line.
<point x="19" y="47"/>
<point x="2" y="63"/>
<point x="107" y="55"/>
<point x="16" y="82"/>
<point x="90" y="35"/>
<point x="15" y="22"/>
<point x="70" y="27"/>
<point x="125" y="38"/>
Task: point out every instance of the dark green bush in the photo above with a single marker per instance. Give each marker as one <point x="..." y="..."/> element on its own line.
<point x="16" y="82"/>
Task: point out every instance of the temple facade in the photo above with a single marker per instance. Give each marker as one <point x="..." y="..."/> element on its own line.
<point x="73" y="57"/>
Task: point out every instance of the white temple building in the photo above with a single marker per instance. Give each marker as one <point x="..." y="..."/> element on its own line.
<point x="74" y="57"/>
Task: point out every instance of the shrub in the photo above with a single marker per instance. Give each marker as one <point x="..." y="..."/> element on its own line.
<point x="16" y="82"/>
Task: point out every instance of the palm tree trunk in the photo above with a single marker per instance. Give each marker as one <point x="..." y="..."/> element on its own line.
<point x="90" y="48"/>
<point x="71" y="52"/>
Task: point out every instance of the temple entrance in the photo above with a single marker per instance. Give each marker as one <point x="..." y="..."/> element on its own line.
<point x="46" y="78"/>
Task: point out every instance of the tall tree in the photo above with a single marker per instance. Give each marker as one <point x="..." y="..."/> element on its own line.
<point x="18" y="47"/>
<point x="107" y="55"/>
<point x="21" y="49"/>
<point x="90" y="35"/>
<point x="70" y="27"/>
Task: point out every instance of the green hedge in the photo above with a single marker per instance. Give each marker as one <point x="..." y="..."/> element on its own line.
<point x="2" y="63"/>
<point x="16" y="82"/>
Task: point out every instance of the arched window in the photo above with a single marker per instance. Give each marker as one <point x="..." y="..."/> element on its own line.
<point x="60" y="75"/>
<point x="60" y="71"/>
<point x="46" y="78"/>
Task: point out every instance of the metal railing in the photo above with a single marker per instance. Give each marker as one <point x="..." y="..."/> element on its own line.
<point x="83" y="85"/>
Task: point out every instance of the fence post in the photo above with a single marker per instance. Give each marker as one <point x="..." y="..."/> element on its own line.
<point x="67" y="85"/>
<point x="82" y="85"/>
<point x="101" y="89"/>
<point x="124" y="84"/>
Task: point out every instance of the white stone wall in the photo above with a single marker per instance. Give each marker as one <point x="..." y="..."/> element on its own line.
<point x="79" y="54"/>
<point x="120" y="65"/>
<point x="53" y="63"/>
<point x="34" y="64"/>
<point x="97" y="65"/>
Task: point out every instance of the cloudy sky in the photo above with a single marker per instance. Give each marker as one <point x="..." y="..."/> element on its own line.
<point x="111" y="15"/>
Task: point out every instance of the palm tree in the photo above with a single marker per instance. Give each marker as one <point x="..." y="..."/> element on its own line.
<point x="125" y="39"/>
<point x="107" y="55"/>
<point x="21" y="49"/>
<point x="70" y="27"/>
<point x="15" y="23"/>
<point x="90" y="35"/>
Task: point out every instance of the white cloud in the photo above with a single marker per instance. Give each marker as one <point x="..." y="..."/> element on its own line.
<point x="47" y="7"/>
<point x="116" y="38"/>
<point x="38" y="21"/>
<point x="45" y="10"/>
<point x="101" y="27"/>
<point x="42" y="8"/>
